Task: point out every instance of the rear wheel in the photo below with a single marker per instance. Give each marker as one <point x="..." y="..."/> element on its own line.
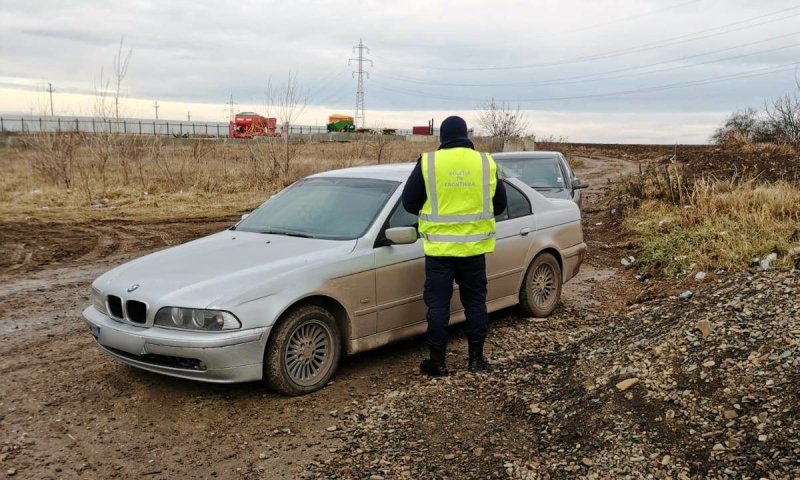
<point x="303" y="351"/>
<point x="541" y="288"/>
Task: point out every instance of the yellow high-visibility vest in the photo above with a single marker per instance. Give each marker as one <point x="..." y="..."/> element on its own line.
<point x="457" y="219"/>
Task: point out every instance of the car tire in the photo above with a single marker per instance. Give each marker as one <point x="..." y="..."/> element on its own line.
<point x="541" y="287"/>
<point x="303" y="351"/>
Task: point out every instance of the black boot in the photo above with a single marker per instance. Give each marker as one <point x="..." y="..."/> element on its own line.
<point x="476" y="361"/>
<point x="435" y="365"/>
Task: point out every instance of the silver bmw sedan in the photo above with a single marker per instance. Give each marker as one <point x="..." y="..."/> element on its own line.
<point x="332" y="265"/>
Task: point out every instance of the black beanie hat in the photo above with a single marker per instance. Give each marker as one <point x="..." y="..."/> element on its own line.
<point x="453" y="128"/>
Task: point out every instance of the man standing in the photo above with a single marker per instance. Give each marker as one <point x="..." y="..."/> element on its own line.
<point x="456" y="194"/>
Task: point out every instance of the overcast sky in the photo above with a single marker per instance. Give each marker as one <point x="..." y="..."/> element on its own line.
<point x="604" y="71"/>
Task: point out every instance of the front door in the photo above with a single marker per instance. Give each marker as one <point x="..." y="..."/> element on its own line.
<point x="400" y="277"/>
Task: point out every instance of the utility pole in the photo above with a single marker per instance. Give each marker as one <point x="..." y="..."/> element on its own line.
<point x="360" y="117"/>
<point x="50" y="89"/>
<point x="155" y="105"/>
<point x="188" y="116"/>
<point x="230" y="102"/>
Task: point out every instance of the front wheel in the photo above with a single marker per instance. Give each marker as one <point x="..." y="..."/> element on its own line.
<point x="541" y="288"/>
<point x="303" y="351"/>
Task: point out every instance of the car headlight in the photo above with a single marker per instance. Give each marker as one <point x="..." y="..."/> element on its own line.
<point x="196" y="319"/>
<point x="98" y="301"/>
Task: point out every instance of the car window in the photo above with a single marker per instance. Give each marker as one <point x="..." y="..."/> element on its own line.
<point x="401" y="218"/>
<point x="567" y="170"/>
<point x="322" y="207"/>
<point x="518" y="204"/>
<point x="536" y="172"/>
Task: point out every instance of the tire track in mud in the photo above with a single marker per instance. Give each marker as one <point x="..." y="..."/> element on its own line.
<point x="37" y="245"/>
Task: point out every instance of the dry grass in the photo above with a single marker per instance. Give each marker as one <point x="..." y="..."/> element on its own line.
<point x="79" y="177"/>
<point x="717" y="211"/>
<point x="721" y="224"/>
<point x="735" y="141"/>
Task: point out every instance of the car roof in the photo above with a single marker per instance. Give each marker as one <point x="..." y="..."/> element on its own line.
<point x="524" y="155"/>
<point x="398" y="172"/>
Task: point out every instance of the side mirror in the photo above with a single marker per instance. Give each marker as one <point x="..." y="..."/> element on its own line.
<point x="402" y="235"/>
<point x="578" y="183"/>
<point x="244" y="215"/>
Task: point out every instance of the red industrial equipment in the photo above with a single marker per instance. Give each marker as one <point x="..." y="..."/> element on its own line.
<point x="426" y="130"/>
<point x="250" y="124"/>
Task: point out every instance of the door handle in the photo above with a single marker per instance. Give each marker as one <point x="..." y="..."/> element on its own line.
<point x="525" y="231"/>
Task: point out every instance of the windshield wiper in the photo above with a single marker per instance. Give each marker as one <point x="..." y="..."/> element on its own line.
<point x="288" y="233"/>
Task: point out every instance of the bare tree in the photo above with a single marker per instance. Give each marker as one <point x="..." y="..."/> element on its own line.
<point x="53" y="155"/>
<point x="120" y="70"/>
<point x="101" y="89"/>
<point x="778" y="123"/>
<point x="286" y="102"/>
<point x="783" y="117"/>
<point x="378" y="142"/>
<point x="745" y="122"/>
<point x="500" y="119"/>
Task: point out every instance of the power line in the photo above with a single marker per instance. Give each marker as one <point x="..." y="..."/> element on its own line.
<point x="328" y="82"/>
<point x="703" y="81"/>
<point x="360" y="116"/>
<point x="621" y="20"/>
<point x="335" y="96"/>
<point x="602" y="75"/>
<point x="590" y="27"/>
<point x="702" y="34"/>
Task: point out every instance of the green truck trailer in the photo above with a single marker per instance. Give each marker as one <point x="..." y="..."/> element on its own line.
<point x="341" y="123"/>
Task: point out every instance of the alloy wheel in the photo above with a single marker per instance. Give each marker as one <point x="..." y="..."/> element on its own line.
<point x="543" y="285"/>
<point x="308" y="354"/>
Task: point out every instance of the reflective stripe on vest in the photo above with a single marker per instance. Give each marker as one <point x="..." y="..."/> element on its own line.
<point x="434" y="216"/>
<point x="457" y="238"/>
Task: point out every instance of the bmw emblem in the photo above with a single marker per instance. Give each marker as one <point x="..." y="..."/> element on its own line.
<point x="133" y="287"/>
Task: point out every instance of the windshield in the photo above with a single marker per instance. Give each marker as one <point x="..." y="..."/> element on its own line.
<point x="323" y="207"/>
<point x="535" y="172"/>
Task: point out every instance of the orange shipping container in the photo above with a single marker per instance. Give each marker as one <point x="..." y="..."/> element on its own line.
<point x="339" y="118"/>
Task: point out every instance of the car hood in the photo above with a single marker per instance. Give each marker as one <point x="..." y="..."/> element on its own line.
<point x="219" y="268"/>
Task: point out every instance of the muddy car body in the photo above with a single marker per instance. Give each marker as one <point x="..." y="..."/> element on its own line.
<point x="331" y="265"/>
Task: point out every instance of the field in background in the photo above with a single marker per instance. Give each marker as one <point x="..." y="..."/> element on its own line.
<point x="691" y="208"/>
<point x="75" y="177"/>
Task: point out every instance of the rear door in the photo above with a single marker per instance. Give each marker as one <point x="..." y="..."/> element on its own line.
<point x="400" y="269"/>
<point x="516" y="228"/>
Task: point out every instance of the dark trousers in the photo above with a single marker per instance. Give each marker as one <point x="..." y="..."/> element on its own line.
<point x="470" y="275"/>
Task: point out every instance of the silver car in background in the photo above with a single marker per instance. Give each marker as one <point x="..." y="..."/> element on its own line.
<point x="548" y="173"/>
<point x="331" y="265"/>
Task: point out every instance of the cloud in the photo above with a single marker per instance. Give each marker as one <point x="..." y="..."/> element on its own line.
<point x="76" y="35"/>
<point x="203" y="51"/>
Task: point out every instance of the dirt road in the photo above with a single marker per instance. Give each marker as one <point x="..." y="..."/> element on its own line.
<point x="68" y="411"/>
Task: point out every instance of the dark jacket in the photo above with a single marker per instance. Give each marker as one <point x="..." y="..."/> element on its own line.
<point x="414" y="194"/>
